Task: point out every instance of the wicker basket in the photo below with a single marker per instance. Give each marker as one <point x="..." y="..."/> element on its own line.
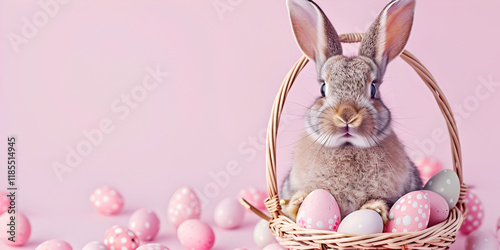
<point x="292" y="236"/>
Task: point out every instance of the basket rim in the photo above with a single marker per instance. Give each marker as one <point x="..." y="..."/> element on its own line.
<point x="281" y="225"/>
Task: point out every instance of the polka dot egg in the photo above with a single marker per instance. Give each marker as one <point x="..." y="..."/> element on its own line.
<point x="409" y="214"/>
<point x="22" y="229"/>
<point x="319" y="210"/>
<point x="196" y="235"/>
<point x="4" y="202"/>
<point x="95" y="245"/>
<point x="446" y="184"/>
<point x="153" y="247"/>
<point x="54" y="245"/>
<point x="428" y="167"/>
<point x="121" y="238"/>
<point x="254" y="196"/>
<point x="145" y="224"/>
<point x="183" y="205"/>
<point x="107" y="200"/>
<point x="475" y="213"/>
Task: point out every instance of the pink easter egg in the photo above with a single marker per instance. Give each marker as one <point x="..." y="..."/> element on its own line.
<point x="153" y="246"/>
<point x="479" y="240"/>
<point x="4" y="202"/>
<point x="145" y="224"/>
<point x="107" y="200"/>
<point x="95" y="245"/>
<point x="196" y="235"/>
<point x="254" y="196"/>
<point x="409" y="214"/>
<point x="119" y="237"/>
<point x="54" y="245"/>
<point x="319" y="210"/>
<point x="439" y="208"/>
<point x="183" y="205"/>
<point x="229" y="213"/>
<point x="428" y="167"/>
<point x="274" y="246"/>
<point x="14" y="226"/>
<point x="475" y="213"/>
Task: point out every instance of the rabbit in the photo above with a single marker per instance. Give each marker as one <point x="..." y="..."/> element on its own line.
<point x="349" y="147"/>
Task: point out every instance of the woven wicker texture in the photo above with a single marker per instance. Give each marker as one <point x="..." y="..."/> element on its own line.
<point x="292" y="236"/>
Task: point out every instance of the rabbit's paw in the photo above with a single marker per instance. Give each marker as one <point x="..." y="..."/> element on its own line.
<point x="294" y="204"/>
<point x="379" y="206"/>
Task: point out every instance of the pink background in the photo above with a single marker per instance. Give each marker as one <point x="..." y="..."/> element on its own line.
<point x="224" y="70"/>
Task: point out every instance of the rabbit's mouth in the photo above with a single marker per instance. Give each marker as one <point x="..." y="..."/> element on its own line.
<point x="346" y="135"/>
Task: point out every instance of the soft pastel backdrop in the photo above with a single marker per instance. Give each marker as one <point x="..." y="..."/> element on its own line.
<point x="225" y="61"/>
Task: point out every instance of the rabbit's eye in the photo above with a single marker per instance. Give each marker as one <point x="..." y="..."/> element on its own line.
<point x="323" y="89"/>
<point x="374" y="90"/>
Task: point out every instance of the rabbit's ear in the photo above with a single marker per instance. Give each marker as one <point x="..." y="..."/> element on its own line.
<point x="314" y="33"/>
<point x="387" y="36"/>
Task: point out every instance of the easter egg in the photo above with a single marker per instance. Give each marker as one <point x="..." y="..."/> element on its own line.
<point x="409" y="214"/>
<point x="428" y="167"/>
<point x="107" y="200"/>
<point x="262" y="234"/>
<point x="439" y="208"/>
<point x="254" y="196"/>
<point x="274" y="246"/>
<point x="4" y="202"/>
<point x="479" y="240"/>
<point x="54" y="245"/>
<point x="22" y="228"/>
<point x="319" y="210"/>
<point x="363" y="221"/>
<point x="475" y="213"/>
<point x="183" y="205"/>
<point x="153" y="246"/>
<point x="145" y="224"/>
<point x="95" y="245"/>
<point x="229" y="213"/>
<point x="446" y="184"/>
<point x="196" y="235"/>
<point x="119" y="237"/>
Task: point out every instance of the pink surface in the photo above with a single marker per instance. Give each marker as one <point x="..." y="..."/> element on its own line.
<point x="173" y="93"/>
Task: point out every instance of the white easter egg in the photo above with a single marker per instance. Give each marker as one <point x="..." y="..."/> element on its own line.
<point x="262" y="235"/>
<point x="363" y="221"/>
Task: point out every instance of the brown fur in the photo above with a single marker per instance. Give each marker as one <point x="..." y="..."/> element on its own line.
<point x="349" y="148"/>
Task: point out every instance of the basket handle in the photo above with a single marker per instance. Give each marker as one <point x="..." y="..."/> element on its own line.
<point x="272" y="202"/>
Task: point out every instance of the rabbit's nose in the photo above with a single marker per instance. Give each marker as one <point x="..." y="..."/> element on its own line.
<point x="348" y="115"/>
